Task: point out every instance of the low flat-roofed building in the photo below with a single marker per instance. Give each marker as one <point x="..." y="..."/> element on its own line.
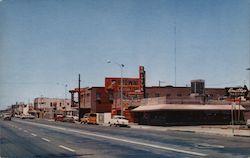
<point x="188" y="114"/>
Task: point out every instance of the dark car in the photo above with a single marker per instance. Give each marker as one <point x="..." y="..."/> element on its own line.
<point x="62" y="118"/>
<point x="59" y="118"/>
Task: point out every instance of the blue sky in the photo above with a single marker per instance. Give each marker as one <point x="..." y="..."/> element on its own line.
<point x="44" y="44"/>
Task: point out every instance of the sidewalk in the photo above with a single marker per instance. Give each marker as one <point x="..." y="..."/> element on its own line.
<point x="216" y="130"/>
<point x="225" y="130"/>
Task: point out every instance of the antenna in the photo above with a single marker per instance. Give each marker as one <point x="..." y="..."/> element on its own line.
<point x="175" y="43"/>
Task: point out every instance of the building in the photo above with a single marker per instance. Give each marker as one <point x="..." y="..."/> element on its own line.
<point x="182" y="92"/>
<point x="158" y="111"/>
<point x="17" y="109"/>
<point x="92" y="99"/>
<point x="108" y="98"/>
<point x="197" y="87"/>
<point x="48" y="107"/>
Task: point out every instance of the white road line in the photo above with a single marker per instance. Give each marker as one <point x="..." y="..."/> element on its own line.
<point x="33" y="134"/>
<point x="25" y="131"/>
<point x="47" y="140"/>
<point x="204" y="145"/>
<point x="66" y="148"/>
<point x="121" y="140"/>
<point x="20" y="128"/>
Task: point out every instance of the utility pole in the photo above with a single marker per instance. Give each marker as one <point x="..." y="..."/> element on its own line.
<point x="79" y="97"/>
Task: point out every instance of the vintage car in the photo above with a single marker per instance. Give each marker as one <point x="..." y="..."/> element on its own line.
<point x="89" y="118"/>
<point x="6" y="117"/>
<point x="118" y="120"/>
<point x="63" y="118"/>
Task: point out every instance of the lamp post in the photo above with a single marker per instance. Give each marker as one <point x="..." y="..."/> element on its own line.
<point x="121" y="92"/>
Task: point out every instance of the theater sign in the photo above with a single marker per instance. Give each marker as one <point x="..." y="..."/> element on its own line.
<point x="131" y="86"/>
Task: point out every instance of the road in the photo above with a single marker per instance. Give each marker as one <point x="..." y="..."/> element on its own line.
<point x="41" y="138"/>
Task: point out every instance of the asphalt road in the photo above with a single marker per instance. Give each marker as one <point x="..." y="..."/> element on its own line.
<point x="41" y="138"/>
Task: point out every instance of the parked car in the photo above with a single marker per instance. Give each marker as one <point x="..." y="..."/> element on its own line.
<point x="7" y="117"/>
<point x="68" y="119"/>
<point x="63" y="118"/>
<point x="248" y="123"/>
<point x="89" y="118"/>
<point x="29" y="116"/>
<point x="59" y="118"/>
<point x="118" y="120"/>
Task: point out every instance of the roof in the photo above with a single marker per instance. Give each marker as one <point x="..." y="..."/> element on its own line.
<point x="185" y="107"/>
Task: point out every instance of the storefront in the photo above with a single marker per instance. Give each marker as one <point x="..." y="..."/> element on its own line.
<point x="180" y="114"/>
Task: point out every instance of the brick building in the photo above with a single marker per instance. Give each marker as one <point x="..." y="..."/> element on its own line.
<point x="93" y="99"/>
<point x="182" y="92"/>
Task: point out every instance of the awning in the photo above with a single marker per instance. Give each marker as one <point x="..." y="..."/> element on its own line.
<point x="185" y="107"/>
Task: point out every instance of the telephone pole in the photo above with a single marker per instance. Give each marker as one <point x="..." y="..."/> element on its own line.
<point x="79" y="97"/>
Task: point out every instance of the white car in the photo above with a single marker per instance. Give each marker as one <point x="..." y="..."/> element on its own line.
<point x="29" y="116"/>
<point x="118" y="120"/>
<point x="248" y="123"/>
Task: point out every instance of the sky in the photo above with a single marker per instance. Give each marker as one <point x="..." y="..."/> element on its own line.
<point x="45" y="44"/>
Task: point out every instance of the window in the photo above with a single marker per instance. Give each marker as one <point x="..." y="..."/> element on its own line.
<point x="179" y="95"/>
<point x="51" y="104"/>
<point x="157" y="94"/>
<point x="168" y="95"/>
<point x="98" y="96"/>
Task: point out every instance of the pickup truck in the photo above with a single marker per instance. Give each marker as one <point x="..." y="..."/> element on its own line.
<point x="118" y="120"/>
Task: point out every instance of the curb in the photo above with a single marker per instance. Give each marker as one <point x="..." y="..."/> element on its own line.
<point x="192" y="131"/>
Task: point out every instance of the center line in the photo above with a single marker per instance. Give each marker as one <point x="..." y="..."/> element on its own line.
<point x="47" y="140"/>
<point x="66" y="148"/>
<point x="33" y="134"/>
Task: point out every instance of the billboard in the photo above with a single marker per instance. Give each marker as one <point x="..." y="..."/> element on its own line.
<point x="131" y="86"/>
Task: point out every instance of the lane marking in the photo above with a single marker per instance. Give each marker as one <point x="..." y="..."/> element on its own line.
<point x="205" y="145"/>
<point x="47" y="140"/>
<point x="118" y="139"/>
<point x="66" y="148"/>
<point x="25" y="131"/>
<point x="20" y="128"/>
<point x="33" y="134"/>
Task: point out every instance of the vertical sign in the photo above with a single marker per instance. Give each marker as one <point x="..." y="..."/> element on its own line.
<point x="142" y="79"/>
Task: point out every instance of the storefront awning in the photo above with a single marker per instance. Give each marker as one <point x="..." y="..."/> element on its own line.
<point x="184" y="107"/>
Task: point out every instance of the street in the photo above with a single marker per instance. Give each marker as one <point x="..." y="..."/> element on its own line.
<point x="41" y="138"/>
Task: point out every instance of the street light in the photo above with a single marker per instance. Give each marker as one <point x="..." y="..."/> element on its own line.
<point x="121" y="95"/>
